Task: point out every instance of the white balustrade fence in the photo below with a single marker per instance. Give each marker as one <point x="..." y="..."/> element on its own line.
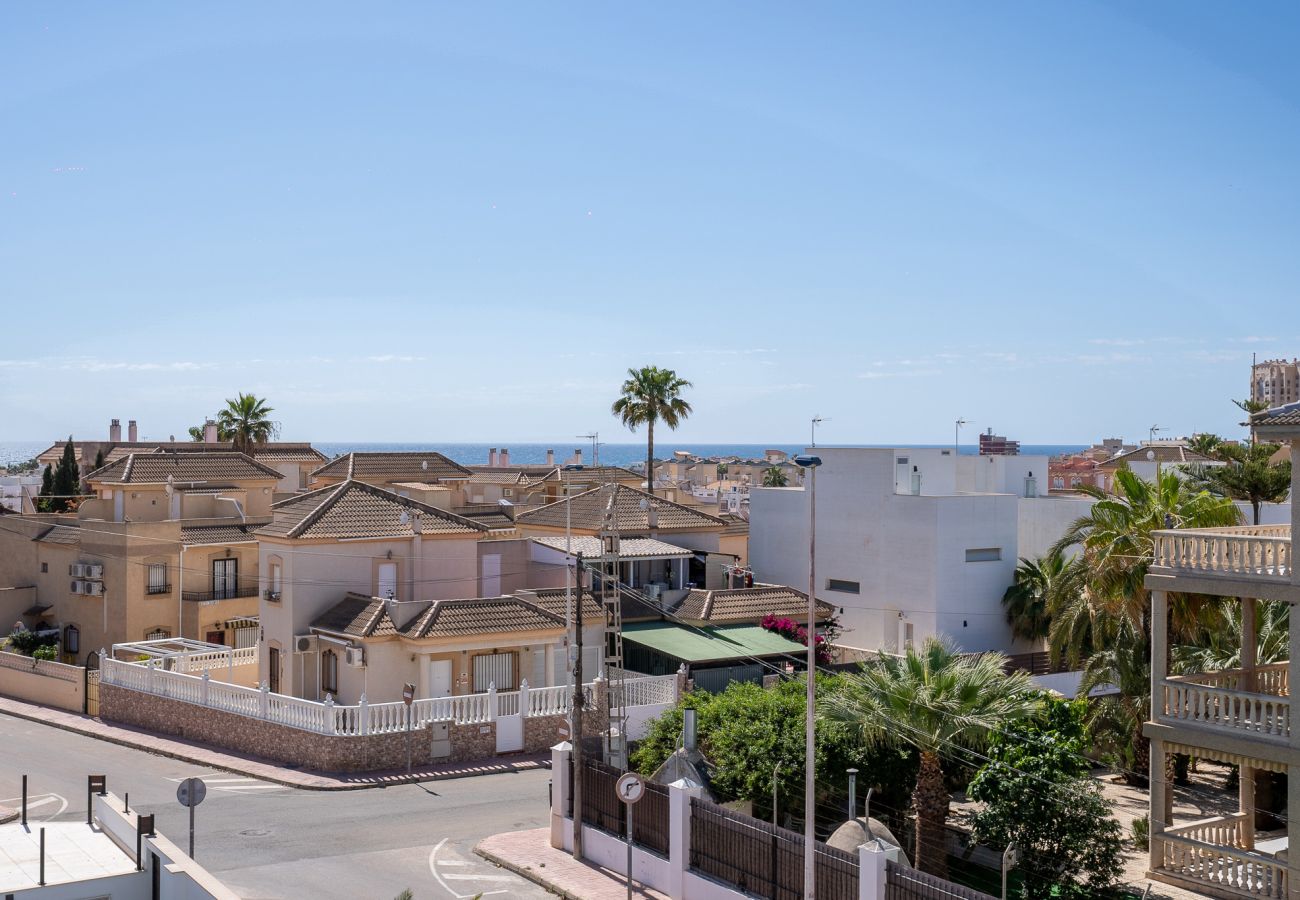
<point x="198" y="663"/>
<point x="365" y="718"/>
<point x="1255" y="551"/>
<point x="1242" y="871"/>
<point x="1201" y="704"/>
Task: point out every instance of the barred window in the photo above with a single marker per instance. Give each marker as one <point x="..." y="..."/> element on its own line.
<point x="157" y="578"/>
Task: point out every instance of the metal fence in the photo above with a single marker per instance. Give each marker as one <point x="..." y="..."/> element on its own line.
<point x="715" y="681"/>
<point x="763" y="860"/>
<point x="902" y="883"/>
<point x="602" y="809"/>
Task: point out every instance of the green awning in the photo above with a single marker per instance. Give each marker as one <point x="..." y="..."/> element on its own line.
<point x="716" y="644"/>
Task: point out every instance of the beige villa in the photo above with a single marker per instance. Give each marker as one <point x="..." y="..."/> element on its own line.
<point x="162" y="549"/>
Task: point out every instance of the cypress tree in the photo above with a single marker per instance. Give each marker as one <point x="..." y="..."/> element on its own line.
<point x="67" y="478"/>
<point x="99" y="458"/>
<point x="47" y="488"/>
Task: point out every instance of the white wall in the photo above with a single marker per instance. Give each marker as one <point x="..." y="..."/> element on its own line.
<point x="1043" y="520"/>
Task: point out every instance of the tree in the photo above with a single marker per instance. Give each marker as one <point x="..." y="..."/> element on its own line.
<point x="935" y="701"/>
<point x="747" y="731"/>
<point x="1037" y="794"/>
<point x="47" y="489"/>
<point x="1219" y="644"/>
<point x="62" y="486"/>
<point x="196" y="433"/>
<point x="774" y="476"/>
<point x="1115" y="720"/>
<point x="1027" y="600"/>
<point x="1250" y="406"/>
<point x="246" y="421"/>
<point x="99" y="460"/>
<point x="651" y="395"/>
<point x="1249" y="475"/>
<point x="1205" y="444"/>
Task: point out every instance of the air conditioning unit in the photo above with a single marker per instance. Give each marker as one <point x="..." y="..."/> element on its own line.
<point x="305" y="643"/>
<point x="78" y="587"/>
<point x="95" y="570"/>
<point x="77" y="570"/>
<point x="354" y="657"/>
<point x="653" y="591"/>
<point x="273" y="596"/>
<point x="95" y="588"/>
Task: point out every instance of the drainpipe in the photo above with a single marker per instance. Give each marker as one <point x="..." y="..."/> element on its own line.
<point x="180" y="595"/>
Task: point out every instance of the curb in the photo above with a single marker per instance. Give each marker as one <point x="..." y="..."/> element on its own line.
<point x="198" y="760"/>
<point x="527" y="872"/>
<point x="8" y="815"/>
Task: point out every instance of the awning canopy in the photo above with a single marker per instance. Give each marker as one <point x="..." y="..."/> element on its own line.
<point x="703" y="645"/>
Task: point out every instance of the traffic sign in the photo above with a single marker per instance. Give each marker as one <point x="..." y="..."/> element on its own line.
<point x="408" y="693"/>
<point x="191" y="792"/>
<point x="629" y="787"/>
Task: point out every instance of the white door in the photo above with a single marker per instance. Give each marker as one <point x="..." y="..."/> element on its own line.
<point x="387" y="581"/>
<point x="439" y="678"/>
<point x="492" y="575"/>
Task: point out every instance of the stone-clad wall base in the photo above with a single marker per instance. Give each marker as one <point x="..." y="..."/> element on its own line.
<point x="319" y="752"/>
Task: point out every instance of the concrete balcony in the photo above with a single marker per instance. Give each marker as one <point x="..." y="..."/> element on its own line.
<point x="1255" y="704"/>
<point x="1244" y="553"/>
<point x="1220" y="857"/>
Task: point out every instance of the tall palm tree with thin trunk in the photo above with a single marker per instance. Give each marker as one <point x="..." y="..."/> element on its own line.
<point x="1027" y="601"/>
<point x="651" y="395"/>
<point x="246" y="420"/>
<point x="938" y="702"/>
<point x="774" y="476"/>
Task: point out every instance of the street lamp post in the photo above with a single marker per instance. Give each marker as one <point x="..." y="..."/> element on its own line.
<point x="574" y="620"/>
<point x="809" y="793"/>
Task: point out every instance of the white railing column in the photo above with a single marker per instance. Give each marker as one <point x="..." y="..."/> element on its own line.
<point x="264" y="700"/>
<point x="679" y="835"/>
<point x="327" y="721"/>
<point x="363" y="716"/>
<point x="561" y="786"/>
<point x="523" y="698"/>
<point x="203" y="688"/>
<point x="1158" y="790"/>
<point x="492" y="702"/>
<point x="873" y="869"/>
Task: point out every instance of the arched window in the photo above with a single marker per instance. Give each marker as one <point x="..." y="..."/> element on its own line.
<point x="329" y="672"/>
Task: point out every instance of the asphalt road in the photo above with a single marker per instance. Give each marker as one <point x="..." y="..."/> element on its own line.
<point x="264" y="840"/>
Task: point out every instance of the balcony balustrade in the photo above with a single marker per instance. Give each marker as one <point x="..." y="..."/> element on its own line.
<point x="1251" y="552"/>
<point x="1257" y="704"/>
<point x="229" y="592"/>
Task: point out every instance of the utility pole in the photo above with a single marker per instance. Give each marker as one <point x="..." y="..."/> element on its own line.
<point x="576" y="727"/>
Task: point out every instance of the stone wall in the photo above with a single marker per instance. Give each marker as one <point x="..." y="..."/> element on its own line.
<point x="319" y="752"/>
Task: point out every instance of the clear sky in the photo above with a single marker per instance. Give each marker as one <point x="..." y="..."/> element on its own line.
<point x="465" y="221"/>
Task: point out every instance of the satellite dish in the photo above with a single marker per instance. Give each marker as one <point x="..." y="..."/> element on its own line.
<point x="424" y="464"/>
<point x="404" y="518"/>
<point x="645" y="504"/>
<point x="171" y="486"/>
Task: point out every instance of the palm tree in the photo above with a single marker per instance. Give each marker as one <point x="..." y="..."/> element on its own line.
<point x="1115" y="720"/>
<point x="774" y="476"/>
<point x="651" y="395"/>
<point x="1028" y="600"/>
<point x="1247" y="476"/>
<point x="936" y="701"/>
<point x="1220" y="645"/>
<point x="1205" y="444"/>
<point x="246" y="421"/>
<point x="196" y="433"/>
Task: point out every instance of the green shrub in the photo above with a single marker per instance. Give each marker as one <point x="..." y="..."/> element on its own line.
<point x="1142" y="833"/>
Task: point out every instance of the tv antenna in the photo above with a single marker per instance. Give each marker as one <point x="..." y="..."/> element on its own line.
<point x="594" y="437"/>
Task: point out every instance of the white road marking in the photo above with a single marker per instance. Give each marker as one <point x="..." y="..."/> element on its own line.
<point x="471" y="877"/>
<point x="234" y="785"/>
<point x="433" y="867"/>
<point x="34" y="800"/>
<point x="452" y="862"/>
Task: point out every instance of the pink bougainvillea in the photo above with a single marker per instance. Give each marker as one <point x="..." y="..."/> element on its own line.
<point x="791" y="630"/>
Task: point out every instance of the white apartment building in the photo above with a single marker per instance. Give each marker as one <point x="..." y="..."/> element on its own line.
<point x="912" y="542"/>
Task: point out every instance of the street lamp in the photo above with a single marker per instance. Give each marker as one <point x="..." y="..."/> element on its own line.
<point x="809" y="798"/>
<point x="575" y="662"/>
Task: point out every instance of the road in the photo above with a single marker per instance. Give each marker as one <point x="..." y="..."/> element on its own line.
<point x="268" y="841"/>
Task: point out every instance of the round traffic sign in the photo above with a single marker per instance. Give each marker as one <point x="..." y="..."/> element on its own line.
<point x="629" y="787"/>
<point x="191" y="792"/>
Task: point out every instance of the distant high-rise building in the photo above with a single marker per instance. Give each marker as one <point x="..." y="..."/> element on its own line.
<point x="997" y="445"/>
<point x="1275" y="382"/>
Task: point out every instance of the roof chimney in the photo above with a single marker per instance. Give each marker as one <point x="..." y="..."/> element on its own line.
<point x="115" y="430"/>
<point x="504" y="457"/>
<point x="492" y="457"/>
<point x="577" y="457"/>
<point x="550" y="457"/>
<point x="131" y="434"/>
<point x="209" y="432"/>
<point x="688" y="729"/>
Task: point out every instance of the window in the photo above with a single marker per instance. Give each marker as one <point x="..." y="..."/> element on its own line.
<point x="494" y="669"/>
<point x="157" y="634"/>
<point x="225" y="579"/>
<point x="45" y="567"/>
<point x="984" y="554"/>
<point x="157" y="583"/>
<point x="275" y="579"/>
<point x="1057" y="482"/>
<point x="273" y="667"/>
<point x="387" y="588"/>
<point x="847" y="587"/>
<point x="329" y="672"/>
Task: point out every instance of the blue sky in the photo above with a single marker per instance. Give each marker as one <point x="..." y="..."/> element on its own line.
<point x="464" y="222"/>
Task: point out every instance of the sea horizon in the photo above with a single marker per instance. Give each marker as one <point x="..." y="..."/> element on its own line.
<point x="534" y="453"/>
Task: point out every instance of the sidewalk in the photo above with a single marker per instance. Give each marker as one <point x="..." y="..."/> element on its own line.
<point x="530" y="854"/>
<point x="256" y="767"/>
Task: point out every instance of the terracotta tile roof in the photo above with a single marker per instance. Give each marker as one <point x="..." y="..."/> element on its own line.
<point x="585" y="475"/>
<point x="499" y="476"/>
<point x="354" y="509"/>
<point x="487" y="615"/>
<point x="1164" y="453"/>
<point x="420" y="486"/>
<point x="216" y="534"/>
<point x="748" y="604"/>
<point x="735" y="524"/>
<point x="553" y="601"/>
<point x="411" y="466"/>
<point x="1288" y="415"/>
<point x="286" y="452"/>
<point x="154" y="468"/>
<point x="588" y="510"/>
<point x="497" y="521"/>
<point x="356" y="615"/>
<point x="628" y="548"/>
